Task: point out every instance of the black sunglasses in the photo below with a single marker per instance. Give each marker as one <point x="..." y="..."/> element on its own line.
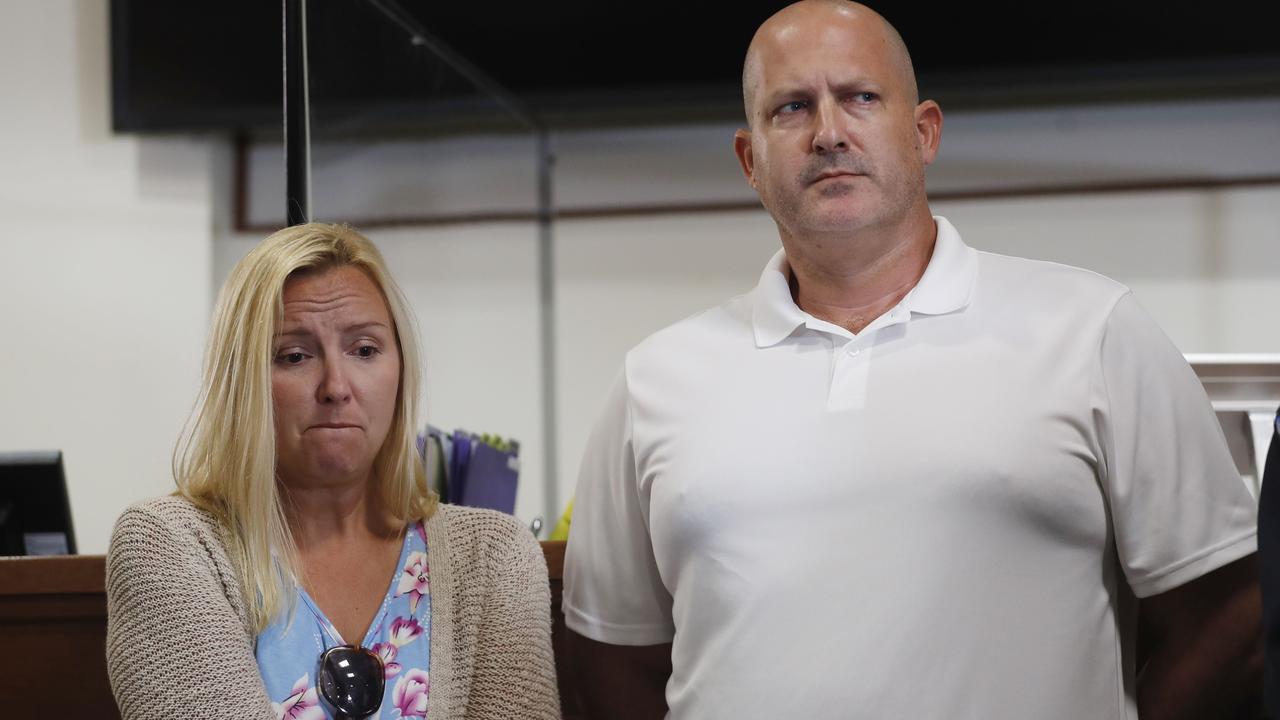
<point x="352" y="680"/>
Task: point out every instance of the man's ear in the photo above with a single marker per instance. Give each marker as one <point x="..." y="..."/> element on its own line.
<point x="742" y="148"/>
<point x="928" y="118"/>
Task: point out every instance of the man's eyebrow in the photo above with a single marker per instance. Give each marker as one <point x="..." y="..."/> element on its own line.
<point x="788" y="90"/>
<point x="804" y="89"/>
<point x="859" y="84"/>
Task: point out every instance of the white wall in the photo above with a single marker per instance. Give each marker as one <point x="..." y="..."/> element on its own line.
<point x="1199" y="260"/>
<point x="115" y="247"/>
<point x="1202" y="262"/>
<point x="104" y="267"/>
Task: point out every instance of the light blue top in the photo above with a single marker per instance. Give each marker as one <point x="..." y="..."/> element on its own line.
<point x="288" y="653"/>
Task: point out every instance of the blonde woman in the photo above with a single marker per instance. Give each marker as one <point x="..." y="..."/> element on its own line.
<point x="303" y="569"/>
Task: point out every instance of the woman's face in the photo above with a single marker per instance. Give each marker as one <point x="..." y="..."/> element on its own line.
<point x="334" y="378"/>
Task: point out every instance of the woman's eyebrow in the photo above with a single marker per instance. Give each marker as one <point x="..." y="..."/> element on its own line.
<point x="354" y="327"/>
<point x="300" y="331"/>
<point x="294" y="332"/>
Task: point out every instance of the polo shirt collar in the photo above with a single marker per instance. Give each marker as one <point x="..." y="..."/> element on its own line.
<point x="947" y="283"/>
<point x="945" y="287"/>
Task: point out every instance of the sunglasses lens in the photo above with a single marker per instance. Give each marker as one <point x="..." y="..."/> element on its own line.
<point x="351" y="679"/>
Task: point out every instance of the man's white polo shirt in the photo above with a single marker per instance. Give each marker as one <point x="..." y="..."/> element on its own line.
<point x="943" y="516"/>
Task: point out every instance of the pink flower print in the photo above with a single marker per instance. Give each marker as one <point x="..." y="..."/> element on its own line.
<point x="410" y="694"/>
<point x="404" y="631"/>
<point x="302" y="703"/>
<point x="388" y="653"/>
<point x="414" y="579"/>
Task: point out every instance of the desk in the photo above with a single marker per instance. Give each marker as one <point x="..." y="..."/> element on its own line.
<point x="53" y="620"/>
<point x="53" y="623"/>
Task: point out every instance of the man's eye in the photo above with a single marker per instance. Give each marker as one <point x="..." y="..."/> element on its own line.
<point x="866" y="97"/>
<point x="793" y="106"/>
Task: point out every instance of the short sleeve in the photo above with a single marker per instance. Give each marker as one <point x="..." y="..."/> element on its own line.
<point x="613" y="592"/>
<point x="1179" y="507"/>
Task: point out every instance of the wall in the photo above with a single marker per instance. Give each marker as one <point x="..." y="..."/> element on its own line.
<point x="104" y="267"/>
<point x="116" y="245"/>
<point x="1200" y="260"/>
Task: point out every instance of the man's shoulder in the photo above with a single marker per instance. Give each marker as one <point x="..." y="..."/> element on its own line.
<point x="724" y="325"/>
<point x="1008" y="277"/>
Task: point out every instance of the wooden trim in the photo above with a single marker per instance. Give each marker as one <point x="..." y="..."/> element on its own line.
<point x="553" y="551"/>
<point x="65" y="574"/>
<point x="55" y="609"/>
<point x="240" y="181"/>
<point x="1186" y="184"/>
<point x="60" y="575"/>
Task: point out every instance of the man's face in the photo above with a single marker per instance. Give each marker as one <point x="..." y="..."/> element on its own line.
<point x="836" y="143"/>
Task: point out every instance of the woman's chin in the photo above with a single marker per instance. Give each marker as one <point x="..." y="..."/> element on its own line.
<point x="329" y="471"/>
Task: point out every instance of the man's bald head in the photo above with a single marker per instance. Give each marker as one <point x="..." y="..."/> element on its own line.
<point x="808" y="14"/>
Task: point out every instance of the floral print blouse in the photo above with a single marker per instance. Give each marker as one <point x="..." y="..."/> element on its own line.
<point x="288" y="653"/>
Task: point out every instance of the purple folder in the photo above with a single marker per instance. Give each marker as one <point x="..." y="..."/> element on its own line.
<point x="458" y="467"/>
<point x="490" y="479"/>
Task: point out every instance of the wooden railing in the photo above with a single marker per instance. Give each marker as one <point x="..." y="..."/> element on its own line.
<point x="53" y="623"/>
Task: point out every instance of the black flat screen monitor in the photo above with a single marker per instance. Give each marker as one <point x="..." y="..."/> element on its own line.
<point x="35" y="512"/>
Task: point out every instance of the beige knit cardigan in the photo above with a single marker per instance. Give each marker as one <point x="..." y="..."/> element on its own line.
<point x="179" y="643"/>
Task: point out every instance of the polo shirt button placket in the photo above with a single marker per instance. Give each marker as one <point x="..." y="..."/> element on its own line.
<point x="849" y="376"/>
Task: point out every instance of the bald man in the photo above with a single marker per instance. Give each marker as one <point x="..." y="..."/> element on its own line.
<point x="902" y="478"/>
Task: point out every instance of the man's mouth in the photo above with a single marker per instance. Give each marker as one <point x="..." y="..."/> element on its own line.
<point x="833" y="174"/>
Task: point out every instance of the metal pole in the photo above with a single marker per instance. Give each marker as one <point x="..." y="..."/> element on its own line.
<point x="297" y="114"/>
<point x="547" y="325"/>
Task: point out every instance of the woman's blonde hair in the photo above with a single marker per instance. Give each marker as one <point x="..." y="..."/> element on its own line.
<point x="225" y="461"/>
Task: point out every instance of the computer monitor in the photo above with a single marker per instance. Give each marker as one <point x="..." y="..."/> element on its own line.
<point x="35" y="512"/>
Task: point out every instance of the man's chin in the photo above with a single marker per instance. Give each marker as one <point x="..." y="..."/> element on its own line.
<point x="839" y="220"/>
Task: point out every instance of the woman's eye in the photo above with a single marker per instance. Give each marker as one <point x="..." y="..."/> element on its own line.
<point x="292" y="358"/>
<point x="365" y="351"/>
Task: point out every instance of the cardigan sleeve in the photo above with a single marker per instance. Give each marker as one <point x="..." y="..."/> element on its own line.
<point x="514" y="671"/>
<point x="176" y="646"/>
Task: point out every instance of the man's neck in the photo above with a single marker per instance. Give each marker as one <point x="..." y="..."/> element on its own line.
<point x="851" y="280"/>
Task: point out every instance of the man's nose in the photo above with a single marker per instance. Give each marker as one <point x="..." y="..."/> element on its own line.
<point x="829" y="133"/>
<point x="334" y="386"/>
